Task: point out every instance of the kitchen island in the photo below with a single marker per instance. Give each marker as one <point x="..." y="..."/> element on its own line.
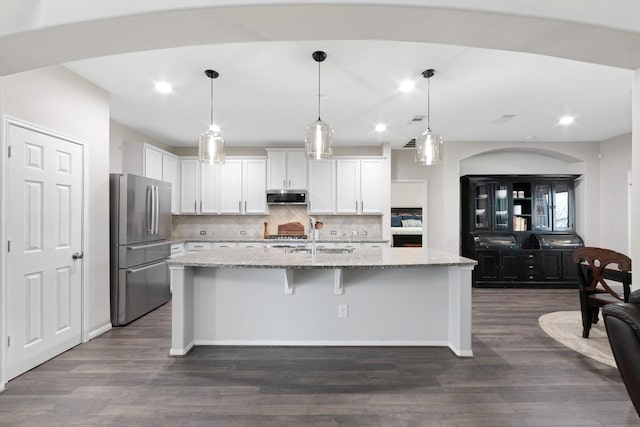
<point x="280" y="296"/>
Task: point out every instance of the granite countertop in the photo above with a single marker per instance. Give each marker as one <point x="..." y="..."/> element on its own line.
<point x="285" y="258"/>
<point x="204" y="239"/>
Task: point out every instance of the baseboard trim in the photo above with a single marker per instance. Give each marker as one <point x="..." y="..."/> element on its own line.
<point x="326" y="343"/>
<point x="99" y="331"/>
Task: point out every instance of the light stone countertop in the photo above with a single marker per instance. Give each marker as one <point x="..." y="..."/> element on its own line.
<point x="252" y="240"/>
<point x="360" y="258"/>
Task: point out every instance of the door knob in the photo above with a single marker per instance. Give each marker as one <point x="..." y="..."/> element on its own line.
<point x="77" y="255"/>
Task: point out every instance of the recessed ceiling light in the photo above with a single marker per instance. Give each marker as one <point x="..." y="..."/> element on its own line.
<point x="566" y="120"/>
<point x="407" y="86"/>
<point x="163" y="87"/>
<point x="380" y="127"/>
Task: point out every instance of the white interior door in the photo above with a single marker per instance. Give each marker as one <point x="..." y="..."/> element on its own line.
<point x="44" y="229"/>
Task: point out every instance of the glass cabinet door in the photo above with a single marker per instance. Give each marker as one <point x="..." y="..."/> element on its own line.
<point x="501" y="207"/>
<point x="481" y="213"/>
<point x="561" y="207"/>
<point x="542" y="207"/>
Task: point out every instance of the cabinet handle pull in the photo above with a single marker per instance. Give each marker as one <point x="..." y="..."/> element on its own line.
<point x="245" y="206"/>
<point x="200" y="206"/>
<point x="284" y="183"/>
<point x="361" y="206"/>
<point x="356" y="206"/>
<point x="195" y="206"/>
<point x="239" y="205"/>
<point x="289" y="183"/>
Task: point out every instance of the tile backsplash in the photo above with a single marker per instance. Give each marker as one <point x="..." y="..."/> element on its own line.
<point x="226" y="227"/>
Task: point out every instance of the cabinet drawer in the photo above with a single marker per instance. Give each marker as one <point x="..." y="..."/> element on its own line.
<point x="197" y="246"/>
<point x="177" y="249"/>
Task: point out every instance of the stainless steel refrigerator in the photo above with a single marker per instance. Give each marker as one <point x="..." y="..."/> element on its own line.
<point x="140" y="210"/>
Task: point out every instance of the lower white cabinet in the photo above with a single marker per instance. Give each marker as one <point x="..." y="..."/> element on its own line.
<point x="249" y="244"/>
<point x="177" y="249"/>
<point x="192" y="247"/>
<point x="222" y="245"/>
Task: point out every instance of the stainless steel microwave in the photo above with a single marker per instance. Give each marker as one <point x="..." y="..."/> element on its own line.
<point x="287" y="197"/>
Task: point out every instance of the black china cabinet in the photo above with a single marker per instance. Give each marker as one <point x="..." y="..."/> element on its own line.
<point x="520" y="229"/>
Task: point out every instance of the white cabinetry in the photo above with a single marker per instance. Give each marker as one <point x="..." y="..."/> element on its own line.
<point x="190" y="199"/>
<point x="322" y="186"/>
<point x="359" y="186"/>
<point x="243" y="187"/>
<point x="147" y="160"/>
<point x="193" y="247"/>
<point x="177" y="249"/>
<point x="237" y="187"/>
<point x="286" y="169"/>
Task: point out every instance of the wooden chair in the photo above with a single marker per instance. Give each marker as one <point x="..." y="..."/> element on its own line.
<point x="595" y="267"/>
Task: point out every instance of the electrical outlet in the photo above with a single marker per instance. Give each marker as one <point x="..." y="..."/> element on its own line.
<point x="243" y="233"/>
<point x="354" y="233"/>
<point x="343" y="311"/>
<point x="334" y="232"/>
<point x="203" y="232"/>
<point x="364" y="233"/>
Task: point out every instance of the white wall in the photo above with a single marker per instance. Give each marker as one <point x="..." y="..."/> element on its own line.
<point x="615" y="166"/>
<point x="406" y="194"/>
<point x="60" y="101"/>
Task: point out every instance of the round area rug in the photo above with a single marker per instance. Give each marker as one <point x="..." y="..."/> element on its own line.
<point x="566" y="328"/>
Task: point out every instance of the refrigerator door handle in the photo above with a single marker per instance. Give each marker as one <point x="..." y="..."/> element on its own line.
<point x="149" y="209"/>
<point x="146" y="267"/>
<point x="157" y="209"/>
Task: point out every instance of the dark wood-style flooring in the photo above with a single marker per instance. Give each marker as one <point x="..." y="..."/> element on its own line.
<point x="518" y="377"/>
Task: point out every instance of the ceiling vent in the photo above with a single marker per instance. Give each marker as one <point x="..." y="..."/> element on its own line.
<point x="416" y="120"/>
<point x="410" y="144"/>
<point x="503" y="119"/>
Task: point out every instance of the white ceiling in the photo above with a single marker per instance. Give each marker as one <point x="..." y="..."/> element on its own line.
<point x="266" y="93"/>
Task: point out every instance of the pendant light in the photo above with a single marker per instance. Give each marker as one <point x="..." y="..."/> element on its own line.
<point x="319" y="135"/>
<point x="429" y="144"/>
<point x="211" y="143"/>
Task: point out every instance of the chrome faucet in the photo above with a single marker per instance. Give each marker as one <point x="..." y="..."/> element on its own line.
<point x="312" y="226"/>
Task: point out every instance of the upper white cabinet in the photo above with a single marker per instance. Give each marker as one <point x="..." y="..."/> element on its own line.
<point x="254" y="188"/>
<point x="148" y="160"/>
<point x="199" y="193"/>
<point x="286" y="169"/>
<point x="322" y="186"/>
<point x="190" y="200"/>
<point x="359" y="186"/>
<point x="238" y="187"/>
<point x="242" y="187"/>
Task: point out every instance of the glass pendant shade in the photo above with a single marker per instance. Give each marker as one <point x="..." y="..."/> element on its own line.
<point x="318" y="140"/>
<point x="318" y="136"/>
<point x="429" y="144"/>
<point x="211" y="148"/>
<point x="210" y="142"/>
<point x="429" y="148"/>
